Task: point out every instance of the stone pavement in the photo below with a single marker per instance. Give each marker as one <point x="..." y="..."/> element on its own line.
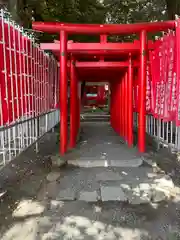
<point x="133" y="185"/>
<point x="101" y="147"/>
<point x="130" y="200"/>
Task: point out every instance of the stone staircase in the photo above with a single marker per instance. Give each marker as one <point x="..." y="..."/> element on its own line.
<point x="95" y="117"/>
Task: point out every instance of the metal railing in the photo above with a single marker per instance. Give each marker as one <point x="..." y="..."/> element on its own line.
<point x="164" y="133"/>
<point x="28" y="91"/>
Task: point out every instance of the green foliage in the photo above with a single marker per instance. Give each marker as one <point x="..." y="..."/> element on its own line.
<point x="93" y="11"/>
<point x="74" y="11"/>
<point x="131" y="11"/>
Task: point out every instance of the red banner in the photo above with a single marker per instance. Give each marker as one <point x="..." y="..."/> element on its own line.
<point x="28" y="77"/>
<point x="177" y="76"/>
<point x="162" y="61"/>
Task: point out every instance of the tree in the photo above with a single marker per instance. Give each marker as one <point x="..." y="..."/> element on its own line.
<point x="75" y="11"/>
<point x="79" y="11"/>
<point x="131" y="11"/>
<point x="91" y="11"/>
<point x="3" y="3"/>
<point x="173" y="8"/>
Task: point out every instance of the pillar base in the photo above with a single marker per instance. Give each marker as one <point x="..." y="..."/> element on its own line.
<point x="78" y="139"/>
<point x="58" y="161"/>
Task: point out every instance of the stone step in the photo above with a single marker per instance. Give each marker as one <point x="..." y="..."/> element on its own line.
<point x="90" y="120"/>
<point x="94" y="118"/>
<point x="91" y="163"/>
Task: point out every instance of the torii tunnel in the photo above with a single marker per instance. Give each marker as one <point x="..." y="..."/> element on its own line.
<point x="120" y="64"/>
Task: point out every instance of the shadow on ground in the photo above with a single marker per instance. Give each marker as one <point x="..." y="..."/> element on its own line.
<point x="50" y="219"/>
<point x="27" y="212"/>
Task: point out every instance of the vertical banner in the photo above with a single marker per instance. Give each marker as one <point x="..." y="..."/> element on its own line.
<point x="8" y="70"/>
<point x="29" y="77"/>
<point x="178" y="72"/>
<point x="148" y="89"/>
<point x="135" y="94"/>
<point x="4" y="119"/>
<point x="16" y="66"/>
<point x="170" y="88"/>
<point x="163" y="75"/>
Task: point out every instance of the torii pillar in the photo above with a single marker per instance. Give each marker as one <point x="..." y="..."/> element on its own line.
<point x="142" y="93"/>
<point x="73" y="104"/>
<point x="130" y="100"/>
<point x="63" y="93"/>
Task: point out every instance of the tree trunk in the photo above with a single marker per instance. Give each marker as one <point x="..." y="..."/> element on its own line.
<point x="13" y="9"/>
<point x="173" y="8"/>
<point x="3" y="4"/>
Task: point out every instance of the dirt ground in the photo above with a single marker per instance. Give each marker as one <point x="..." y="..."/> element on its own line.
<point x="31" y="210"/>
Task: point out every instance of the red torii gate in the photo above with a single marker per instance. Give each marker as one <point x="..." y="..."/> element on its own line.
<point x="97" y="65"/>
<point x="95" y="95"/>
<point x="102" y="49"/>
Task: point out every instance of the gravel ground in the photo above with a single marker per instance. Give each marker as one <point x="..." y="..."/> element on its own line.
<point x="30" y="210"/>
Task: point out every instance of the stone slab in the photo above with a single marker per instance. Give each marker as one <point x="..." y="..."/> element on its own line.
<point x="53" y="176"/>
<point x="158" y="196"/>
<point x="138" y="194"/>
<point x="137" y="200"/>
<point x="136" y="162"/>
<point x="56" y="204"/>
<point x="144" y="192"/>
<point x="112" y="193"/>
<point x="108" y="176"/>
<point x="27" y="208"/>
<point x="66" y="195"/>
<point x="88" y="196"/>
<point x="165" y="182"/>
<point x="134" y="193"/>
<point x="89" y="163"/>
<point x="92" y="162"/>
<point x="34" y="186"/>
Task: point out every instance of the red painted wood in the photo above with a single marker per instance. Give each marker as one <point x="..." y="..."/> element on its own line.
<point x="53" y="27"/>
<point x="63" y="93"/>
<point x="142" y="93"/>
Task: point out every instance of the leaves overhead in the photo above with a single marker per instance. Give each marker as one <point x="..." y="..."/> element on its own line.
<point x="74" y="11"/>
<point x="92" y="11"/>
<point x="130" y="11"/>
